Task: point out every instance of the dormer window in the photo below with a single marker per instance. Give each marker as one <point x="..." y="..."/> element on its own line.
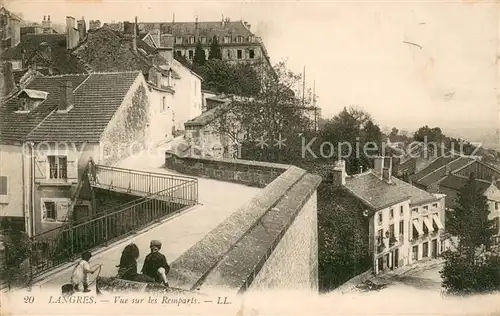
<point x="203" y="40"/>
<point x="239" y="39"/>
<point x="251" y="38"/>
<point x="191" y="40"/>
<point x="178" y="40"/>
<point x="227" y="39"/>
<point x="30" y="99"/>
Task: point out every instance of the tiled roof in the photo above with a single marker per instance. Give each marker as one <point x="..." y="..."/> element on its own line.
<point x="208" y="116"/>
<point x="436" y="164"/>
<point x="379" y="194"/>
<point x="96" y="99"/>
<point x="17" y="126"/>
<point x="61" y="60"/>
<point x="438" y="173"/>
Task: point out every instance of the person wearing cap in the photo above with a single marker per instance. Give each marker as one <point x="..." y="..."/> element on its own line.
<point x="155" y="264"/>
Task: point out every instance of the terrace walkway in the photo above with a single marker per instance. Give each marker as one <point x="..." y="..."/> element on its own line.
<point x="217" y="200"/>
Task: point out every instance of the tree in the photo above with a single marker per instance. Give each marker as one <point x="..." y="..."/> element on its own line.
<point x="199" y="55"/>
<point x="342" y="237"/>
<point x="270" y="112"/>
<point x="473" y="267"/>
<point x="215" y="51"/>
<point x="15" y="261"/>
<point x="353" y="128"/>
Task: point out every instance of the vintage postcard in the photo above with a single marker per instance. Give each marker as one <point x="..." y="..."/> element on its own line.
<point x="249" y="157"/>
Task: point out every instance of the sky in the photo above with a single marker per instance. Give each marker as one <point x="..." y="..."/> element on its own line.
<point x="354" y="51"/>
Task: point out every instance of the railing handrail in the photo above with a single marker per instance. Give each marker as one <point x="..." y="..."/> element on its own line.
<point x="119" y="209"/>
<point x="163" y="175"/>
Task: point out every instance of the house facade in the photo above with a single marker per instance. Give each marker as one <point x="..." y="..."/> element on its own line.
<point x="238" y="43"/>
<point x="53" y="128"/>
<point x="405" y="224"/>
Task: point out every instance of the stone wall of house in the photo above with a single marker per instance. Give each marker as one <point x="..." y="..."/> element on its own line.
<point x="251" y="173"/>
<point x="126" y="134"/>
<point x="279" y="222"/>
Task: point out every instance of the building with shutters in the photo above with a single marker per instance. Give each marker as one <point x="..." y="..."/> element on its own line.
<point x="405" y="224"/>
<point x="52" y="128"/>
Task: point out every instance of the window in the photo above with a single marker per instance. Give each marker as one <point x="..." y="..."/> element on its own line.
<point x="191" y="40"/>
<point x="227" y="39"/>
<point x="401" y="210"/>
<point x="16" y="64"/>
<point x="435" y="205"/>
<point x="3" y="185"/>
<point x="425" y="228"/>
<point x="391" y="232"/>
<point x="239" y="39"/>
<point x="401" y="227"/>
<point x="414" y="210"/>
<point x="27" y="104"/>
<point x="426" y="208"/>
<point x="251" y="39"/>
<point x="380" y="236"/>
<point x="251" y="54"/>
<point x="496" y="206"/>
<point x="391" y="213"/>
<point x="414" y="253"/>
<point x="496" y="225"/>
<point x="239" y="54"/>
<point x="228" y="54"/>
<point x="191" y="54"/>
<point x="425" y="249"/>
<point x="178" y="53"/>
<point x="178" y="40"/>
<point x="380" y="218"/>
<point x="50" y="210"/>
<point x="164" y="104"/>
<point x="203" y="40"/>
<point x="58" y="167"/>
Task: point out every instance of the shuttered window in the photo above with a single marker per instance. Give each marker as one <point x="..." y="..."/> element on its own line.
<point x="3" y="185"/>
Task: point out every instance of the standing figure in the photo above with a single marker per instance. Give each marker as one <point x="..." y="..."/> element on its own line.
<point x="155" y="264"/>
<point x="80" y="276"/>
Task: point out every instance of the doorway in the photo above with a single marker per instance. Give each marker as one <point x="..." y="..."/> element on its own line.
<point x="396" y="258"/>
<point x="434" y="248"/>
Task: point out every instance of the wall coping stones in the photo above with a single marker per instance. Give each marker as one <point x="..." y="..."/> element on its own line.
<point x="243" y="262"/>
<point x="233" y="252"/>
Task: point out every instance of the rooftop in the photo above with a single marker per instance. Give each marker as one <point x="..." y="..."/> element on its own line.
<point x="377" y="193"/>
<point x="96" y="99"/>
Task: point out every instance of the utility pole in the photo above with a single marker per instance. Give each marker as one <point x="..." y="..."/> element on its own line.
<point x="315" y="109"/>
<point x="304" y="87"/>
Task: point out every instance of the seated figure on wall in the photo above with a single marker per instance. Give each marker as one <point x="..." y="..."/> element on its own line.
<point x="127" y="269"/>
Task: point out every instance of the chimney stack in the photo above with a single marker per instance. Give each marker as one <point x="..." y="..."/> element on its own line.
<point x="134" y="39"/>
<point x="67" y="96"/>
<point x="82" y="29"/>
<point x="378" y="166"/>
<point x="72" y="35"/>
<point x="339" y="173"/>
<point x="387" y="171"/>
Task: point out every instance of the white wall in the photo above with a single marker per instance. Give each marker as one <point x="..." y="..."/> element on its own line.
<point x="161" y="121"/>
<point x="11" y="166"/>
<point x="187" y="97"/>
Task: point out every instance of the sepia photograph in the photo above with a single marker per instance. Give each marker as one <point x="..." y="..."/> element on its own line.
<point x="249" y="158"/>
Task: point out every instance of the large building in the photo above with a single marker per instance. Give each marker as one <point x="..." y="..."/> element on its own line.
<point x="405" y="224"/>
<point x="10" y="29"/>
<point x="238" y="43"/>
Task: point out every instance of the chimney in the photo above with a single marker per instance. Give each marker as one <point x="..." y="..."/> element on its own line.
<point x="339" y="173"/>
<point x="134" y="38"/>
<point x="82" y="29"/>
<point x="387" y="171"/>
<point x="72" y="35"/>
<point x="8" y="82"/>
<point x="378" y="165"/>
<point x="67" y="96"/>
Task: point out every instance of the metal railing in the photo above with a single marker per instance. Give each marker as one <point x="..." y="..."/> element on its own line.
<point x="134" y="180"/>
<point x="63" y="244"/>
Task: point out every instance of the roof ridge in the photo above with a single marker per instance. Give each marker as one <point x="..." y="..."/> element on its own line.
<point x="443" y="166"/>
<point x="112" y="72"/>
<point x="63" y="75"/>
